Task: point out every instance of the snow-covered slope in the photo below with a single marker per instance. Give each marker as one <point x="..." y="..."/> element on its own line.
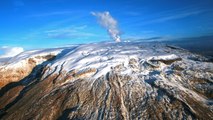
<point x="127" y="80"/>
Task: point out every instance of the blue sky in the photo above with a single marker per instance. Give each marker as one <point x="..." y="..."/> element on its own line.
<point x="35" y="24"/>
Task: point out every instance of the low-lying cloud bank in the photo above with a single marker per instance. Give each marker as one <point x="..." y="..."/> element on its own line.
<point x="10" y="51"/>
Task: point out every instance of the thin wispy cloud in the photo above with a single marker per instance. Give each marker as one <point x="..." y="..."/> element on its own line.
<point x="168" y="15"/>
<point x="55" y="13"/>
<point x="41" y="32"/>
<point x="176" y="16"/>
<point x="66" y="33"/>
<point x="165" y="15"/>
<point x="132" y="13"/>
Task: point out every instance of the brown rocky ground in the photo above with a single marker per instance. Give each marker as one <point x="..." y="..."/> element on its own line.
<point x="110" y="97"/>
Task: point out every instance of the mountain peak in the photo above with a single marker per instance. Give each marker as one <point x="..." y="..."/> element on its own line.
<point x="126" y="80"/>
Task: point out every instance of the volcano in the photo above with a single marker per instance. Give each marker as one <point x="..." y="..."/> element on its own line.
<point x="126" y="80"/>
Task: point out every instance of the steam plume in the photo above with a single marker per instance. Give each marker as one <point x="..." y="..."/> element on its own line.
<point x="108" y="22"/>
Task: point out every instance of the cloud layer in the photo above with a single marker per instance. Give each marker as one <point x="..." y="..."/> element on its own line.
<point x="108" y="22"/>
<point x="10" y="51"/>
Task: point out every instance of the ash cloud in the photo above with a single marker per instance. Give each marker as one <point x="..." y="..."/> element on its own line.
<point x="109" y="23"/>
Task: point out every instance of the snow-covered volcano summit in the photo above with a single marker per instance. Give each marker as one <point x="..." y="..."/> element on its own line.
<point x="127" y="80"/>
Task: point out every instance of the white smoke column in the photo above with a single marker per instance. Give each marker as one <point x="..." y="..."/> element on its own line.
<point x="108" y="22"/>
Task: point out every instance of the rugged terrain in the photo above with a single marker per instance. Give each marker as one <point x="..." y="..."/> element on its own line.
<point x="127" y="80"/>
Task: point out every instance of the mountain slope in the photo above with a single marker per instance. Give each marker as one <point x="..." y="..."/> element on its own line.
<point x="107" y="81"/>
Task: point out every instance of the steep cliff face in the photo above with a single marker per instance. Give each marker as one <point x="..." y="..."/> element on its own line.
<point x="108" y="81"/>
